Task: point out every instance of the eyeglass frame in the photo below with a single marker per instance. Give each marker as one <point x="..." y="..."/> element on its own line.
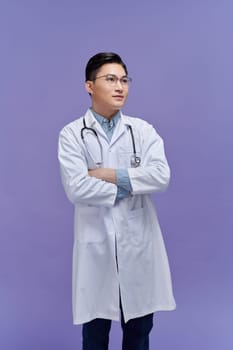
<point x="129" y="80"/>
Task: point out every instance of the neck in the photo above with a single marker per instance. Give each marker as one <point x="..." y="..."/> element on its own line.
<point x="106" y="114"/>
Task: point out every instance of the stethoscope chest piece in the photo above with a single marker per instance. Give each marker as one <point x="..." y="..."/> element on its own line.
<point x="135" y="161"/>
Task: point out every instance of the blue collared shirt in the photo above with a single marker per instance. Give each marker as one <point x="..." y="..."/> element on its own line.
<point x="123" y="183"/>
<point x="108" y="125"/>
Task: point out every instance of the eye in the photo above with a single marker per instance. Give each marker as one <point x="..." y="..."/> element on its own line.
<point x="124" y="80"/>
<point x="110" y="78"/>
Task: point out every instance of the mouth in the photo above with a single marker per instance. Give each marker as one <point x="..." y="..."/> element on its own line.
<point x="118" y="97"/>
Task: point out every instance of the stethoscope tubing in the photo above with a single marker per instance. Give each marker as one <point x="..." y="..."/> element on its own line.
<point x="85" y="127"/>
<point x="133" y="141"/>
<point x="136" y="161"/>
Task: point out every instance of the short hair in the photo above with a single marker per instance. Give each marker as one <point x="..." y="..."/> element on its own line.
<point x="98" y="60"/>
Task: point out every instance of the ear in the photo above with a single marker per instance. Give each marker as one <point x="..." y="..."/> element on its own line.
<point x="88" y="86"/>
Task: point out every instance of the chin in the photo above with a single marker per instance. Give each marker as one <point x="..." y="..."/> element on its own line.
<point x="119" y="105"/>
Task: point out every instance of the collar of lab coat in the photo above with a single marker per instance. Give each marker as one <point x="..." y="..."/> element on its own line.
<point x="121" y="128"/>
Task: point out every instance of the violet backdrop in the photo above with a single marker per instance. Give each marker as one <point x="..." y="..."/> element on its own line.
<point x="179" y="54"/>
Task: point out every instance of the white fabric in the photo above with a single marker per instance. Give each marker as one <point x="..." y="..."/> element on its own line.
<point x="128" y="228"/>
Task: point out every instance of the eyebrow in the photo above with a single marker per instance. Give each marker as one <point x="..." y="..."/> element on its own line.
<point x="125" y="75"/>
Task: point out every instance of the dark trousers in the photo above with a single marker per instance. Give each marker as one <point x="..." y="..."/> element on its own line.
<point x="135" y="333"/>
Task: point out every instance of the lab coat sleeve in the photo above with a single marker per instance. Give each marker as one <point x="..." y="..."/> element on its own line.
<point x="153" y="175"/>
<point x="81" y="188"/>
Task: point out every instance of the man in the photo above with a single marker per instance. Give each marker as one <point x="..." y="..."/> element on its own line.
<point x="110" y="164"/>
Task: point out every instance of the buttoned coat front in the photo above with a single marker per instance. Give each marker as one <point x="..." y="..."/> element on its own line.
<point x="118" y="247"/>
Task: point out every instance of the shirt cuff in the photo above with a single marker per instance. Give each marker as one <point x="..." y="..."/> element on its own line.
<point x="121" y="193"/>
<point x="123" y="179"/>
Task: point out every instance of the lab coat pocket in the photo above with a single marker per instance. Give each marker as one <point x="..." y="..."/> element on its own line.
<point x="89" y="225"/>
<point x="126" y="159"/>
<point x="136" y="226"/>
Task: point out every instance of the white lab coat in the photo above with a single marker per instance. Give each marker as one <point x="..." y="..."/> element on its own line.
<point x="118" y="248"/>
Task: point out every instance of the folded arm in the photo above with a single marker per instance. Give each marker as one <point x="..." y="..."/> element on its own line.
<point x="152" y="176"/>
<point x="119" y="177"/>
<point x="79" y="186"/>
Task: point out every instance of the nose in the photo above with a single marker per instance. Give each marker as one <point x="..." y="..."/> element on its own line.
<point x="118" y="85"/>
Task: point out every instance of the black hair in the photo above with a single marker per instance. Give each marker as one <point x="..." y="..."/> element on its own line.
<point x="98" y="60"/>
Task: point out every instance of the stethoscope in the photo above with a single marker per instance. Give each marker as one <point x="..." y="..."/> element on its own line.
<point x="135" y="160"/>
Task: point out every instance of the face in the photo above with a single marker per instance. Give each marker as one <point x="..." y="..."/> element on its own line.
<point x="107" y="99"/>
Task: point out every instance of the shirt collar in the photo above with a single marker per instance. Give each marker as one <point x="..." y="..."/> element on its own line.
<point x="102" y="120"/>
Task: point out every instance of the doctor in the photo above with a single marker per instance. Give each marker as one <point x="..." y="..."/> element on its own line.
<point x="110" y="164"/>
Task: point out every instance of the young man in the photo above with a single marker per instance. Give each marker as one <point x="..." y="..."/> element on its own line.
<point x="110" y="164"/>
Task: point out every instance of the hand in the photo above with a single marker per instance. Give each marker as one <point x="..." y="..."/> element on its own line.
<point x="105" y="174"/>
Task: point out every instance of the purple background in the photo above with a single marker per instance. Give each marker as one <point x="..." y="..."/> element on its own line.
<point x="180" y="56"/>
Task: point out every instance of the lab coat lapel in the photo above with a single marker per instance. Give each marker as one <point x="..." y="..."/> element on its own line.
<point x="121" y="128"/>
<point x="91" y="122"/>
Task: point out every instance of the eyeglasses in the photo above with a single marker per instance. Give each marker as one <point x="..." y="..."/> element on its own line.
<point x="112" y="79"/>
